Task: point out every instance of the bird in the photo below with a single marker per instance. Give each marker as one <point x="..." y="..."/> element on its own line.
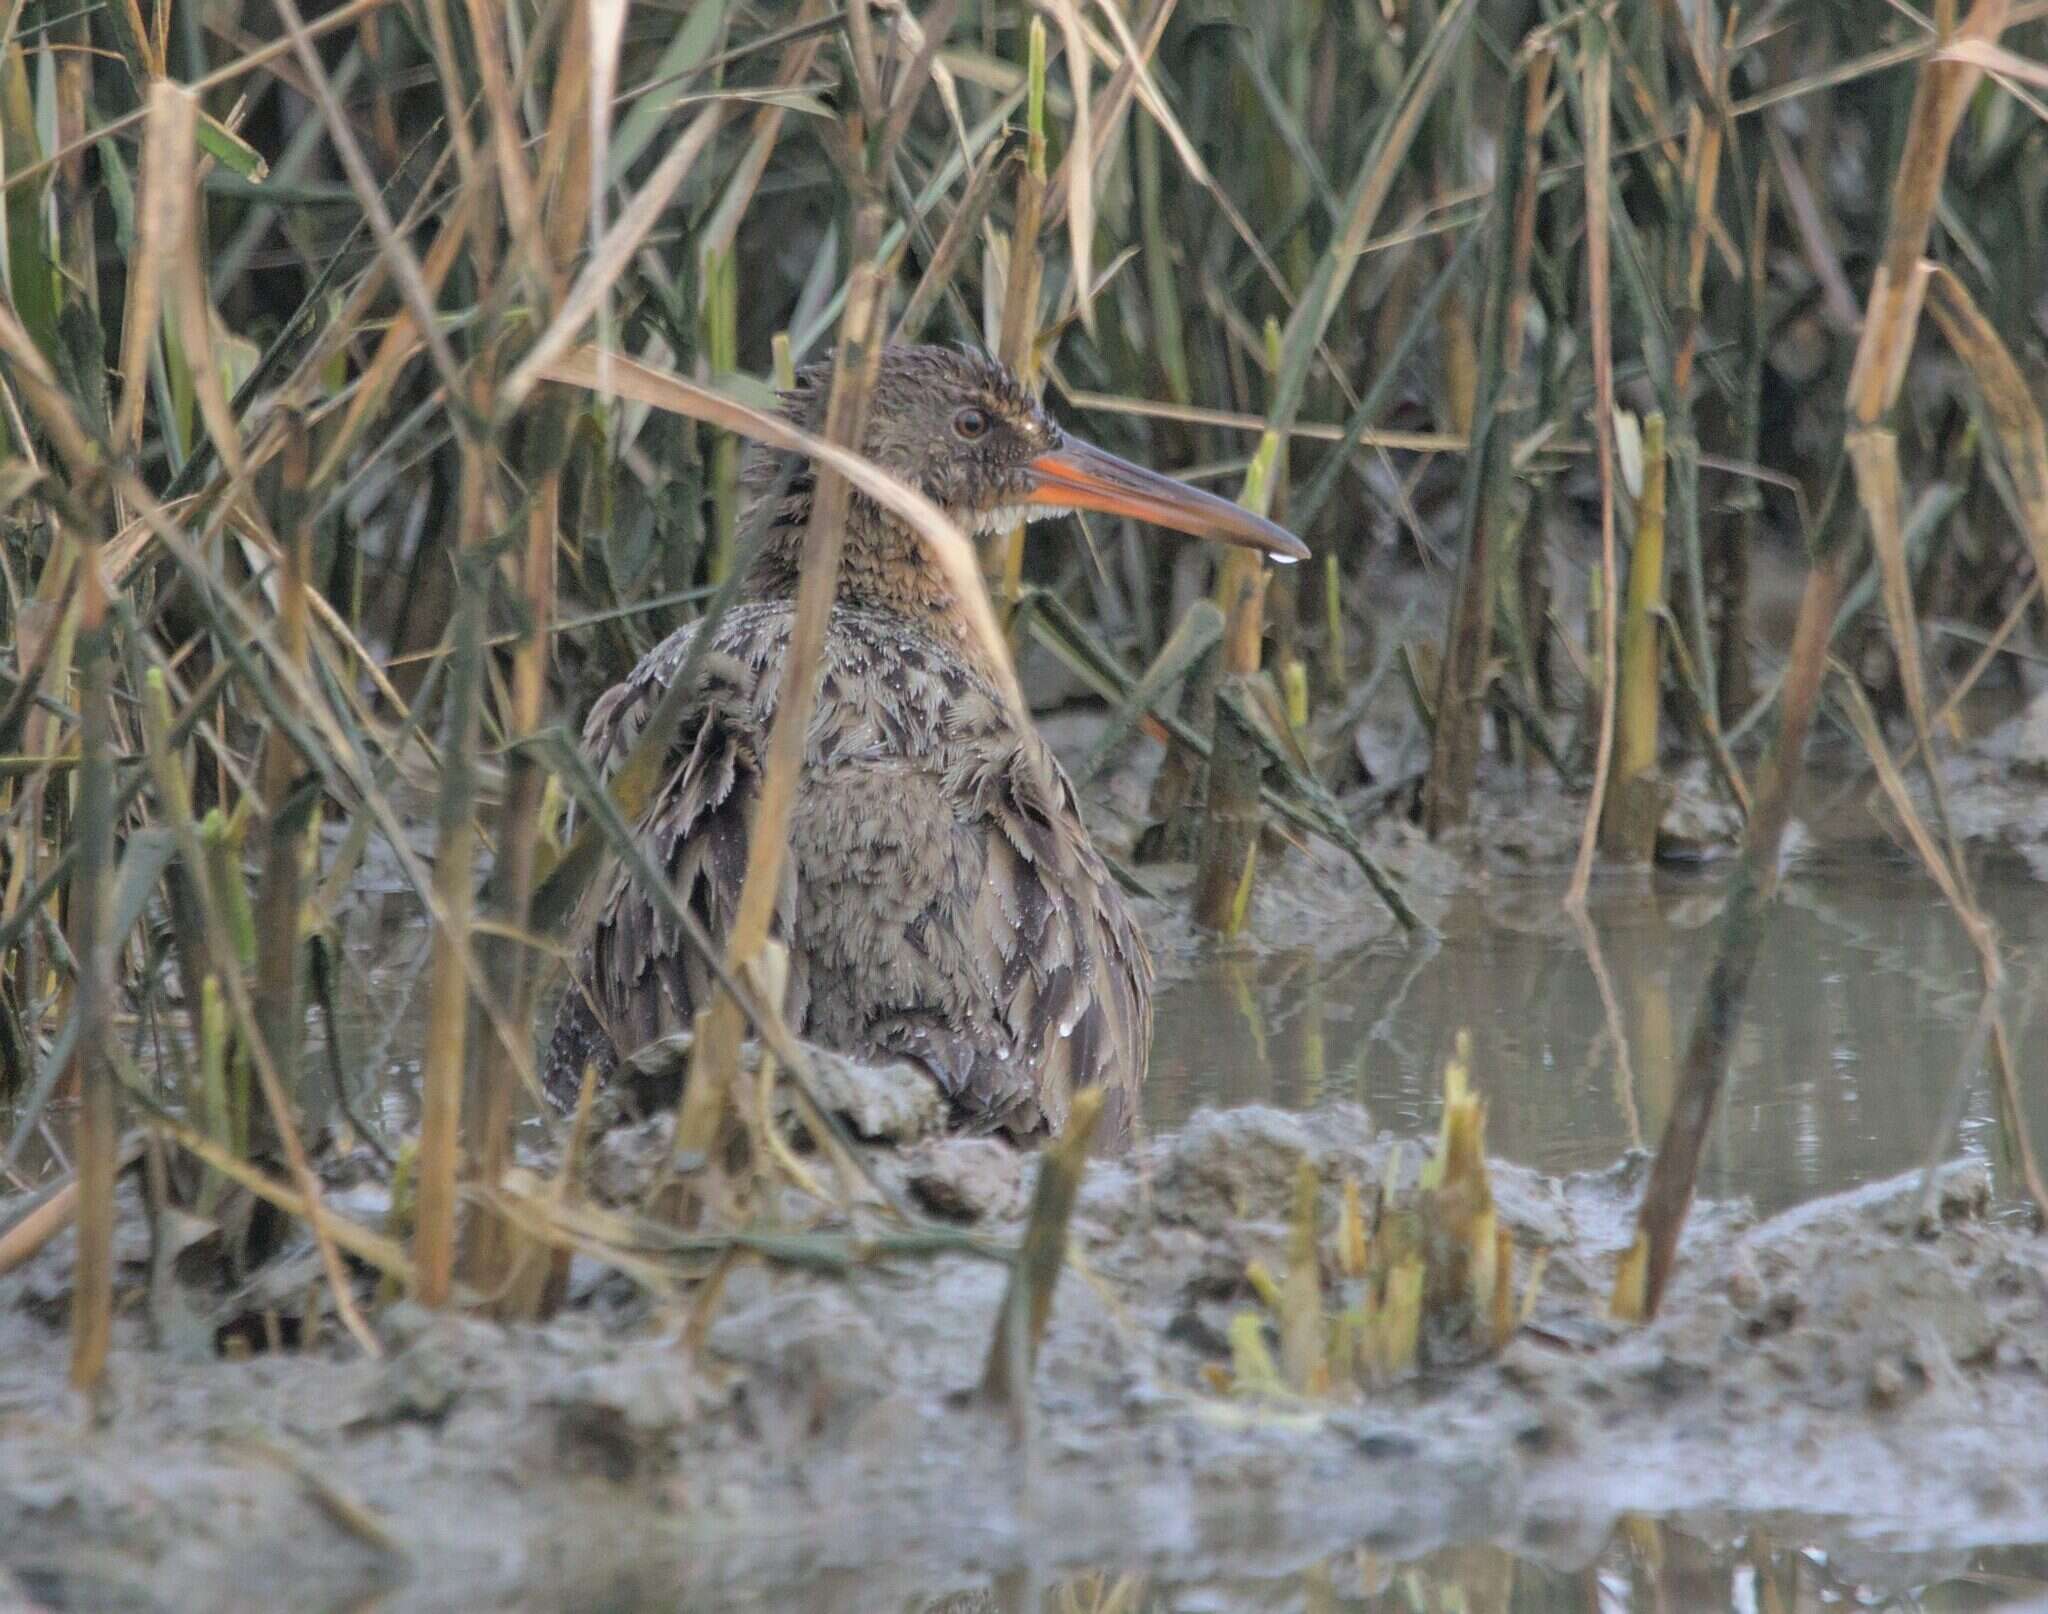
<point x="943" y="903"/>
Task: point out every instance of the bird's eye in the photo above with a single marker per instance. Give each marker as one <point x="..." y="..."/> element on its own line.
<point x="971" y="423"/>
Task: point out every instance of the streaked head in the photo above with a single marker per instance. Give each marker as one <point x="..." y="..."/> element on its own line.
<point x="963" y="430"/>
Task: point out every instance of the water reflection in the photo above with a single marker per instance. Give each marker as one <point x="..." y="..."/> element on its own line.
<point x="1646" y="1567"/>
<point x="1862" y="1004"/>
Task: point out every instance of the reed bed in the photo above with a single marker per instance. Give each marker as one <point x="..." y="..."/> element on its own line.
<point x="373" y="379"/>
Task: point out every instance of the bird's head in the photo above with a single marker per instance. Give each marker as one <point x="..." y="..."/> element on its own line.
<point x="965" y="432"/>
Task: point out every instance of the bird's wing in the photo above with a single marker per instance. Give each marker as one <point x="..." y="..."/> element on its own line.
<point x="639" y="978"/>
<point x="1073" y="974"/>
<point x="621" y="712"/>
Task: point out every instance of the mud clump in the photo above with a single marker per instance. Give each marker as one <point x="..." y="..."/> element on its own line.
<point x="822" y="1428"/>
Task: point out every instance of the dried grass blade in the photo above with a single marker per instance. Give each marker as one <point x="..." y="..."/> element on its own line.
<point x="722" y="227"/>
<point x="372" y="1248"/>
<point x="1130" y="74"/>
<point x="1864" y="720"/>
<point x="715" y="1058"/>
<point x="1979" y="52"/>
<point x="1874" y="458"/>
<point x="975" y="199"/>
<point x="1890" y="319"/>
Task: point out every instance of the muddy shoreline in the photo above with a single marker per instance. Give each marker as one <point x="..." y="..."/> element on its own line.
<point x="1841" y="1365"/>
<point x="1851" y="1373"/>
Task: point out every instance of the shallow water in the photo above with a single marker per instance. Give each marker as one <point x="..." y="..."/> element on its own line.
<point x="1859" y="1014"/>
<point x="1861" y="1008"/>
<point x="1646" y="1565"/>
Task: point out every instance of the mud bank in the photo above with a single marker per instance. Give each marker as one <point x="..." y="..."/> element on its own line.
<point x="824" y="1447"/>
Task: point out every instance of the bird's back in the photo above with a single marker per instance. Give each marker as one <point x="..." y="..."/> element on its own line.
<point x="946" y="903"/>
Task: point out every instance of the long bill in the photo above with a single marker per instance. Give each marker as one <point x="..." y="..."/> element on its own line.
<point x="1080" y="476"/>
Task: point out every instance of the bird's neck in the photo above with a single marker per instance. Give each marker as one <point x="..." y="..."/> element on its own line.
<point x="884" y="568"/>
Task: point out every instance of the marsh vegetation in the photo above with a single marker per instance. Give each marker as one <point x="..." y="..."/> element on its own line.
<point x="1657" y="386"/>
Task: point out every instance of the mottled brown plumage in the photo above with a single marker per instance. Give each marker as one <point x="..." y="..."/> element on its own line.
<point x="943" y="900"/>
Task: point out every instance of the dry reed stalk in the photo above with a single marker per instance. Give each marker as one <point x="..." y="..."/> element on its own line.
<point x="1080" y="174"/>
<point x="518" y="842"/>
<point x="1706" y="126"/>
<point x="1636" y="797"/>
<point x="1890" y="321"/>
<point x="96" y="1140"/>
<point x="336" y="744"/>
<point x="1668" y="1195"/>
<point x="509" y="174"/>
<point x="1951" y="878"/>
<point x="281" y="892"/>
<point x="173" y="122"/>
<point x="1463" y="676"/>
<point x="1027" y="1302"/>
<point x="715" y="1057"/>
<point x="403" y="267"/>
<point x="570" y="190"/>
<point x="575" y="151"/>
<point x="608" y="260"/>
<point x="2016" y="418"/>
<point x="444" y="1069"/>
<point x="175" y="805"/>
<point x="1873" y="453"/>
<point x="47" y="1216"/>
<point x="1597" y="75"/>
<point x="1874" y="459"/>
<point x="1017" y="340"/>
<point x="1227" y="856"/>
<point x="159" y="201"/>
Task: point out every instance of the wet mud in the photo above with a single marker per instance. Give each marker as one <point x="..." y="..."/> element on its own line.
<point x="1873" y="1365"/>
<point x="1865" y="1373"/>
